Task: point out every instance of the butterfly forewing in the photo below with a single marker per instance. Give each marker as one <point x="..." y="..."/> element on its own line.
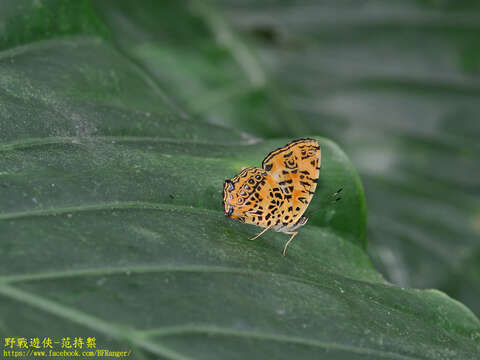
<point x="295" y="168"/>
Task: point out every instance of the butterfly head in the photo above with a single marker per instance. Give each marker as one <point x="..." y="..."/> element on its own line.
<point x="234" y="199"/>
<point x="229" y="198"/>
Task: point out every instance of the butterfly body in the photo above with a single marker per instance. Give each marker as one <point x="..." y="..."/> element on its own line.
<point x="276" y="195"/>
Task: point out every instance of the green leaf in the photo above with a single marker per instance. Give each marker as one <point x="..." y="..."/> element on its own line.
<point x="112" y="226"/>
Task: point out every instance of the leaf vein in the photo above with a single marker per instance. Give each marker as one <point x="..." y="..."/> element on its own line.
<point x="214" y="330"/>
<point x="87" y="320"/>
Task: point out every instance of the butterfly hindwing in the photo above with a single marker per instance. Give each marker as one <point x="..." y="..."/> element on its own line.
<point x="296" y="168"/>
<point x="253" y="197"/>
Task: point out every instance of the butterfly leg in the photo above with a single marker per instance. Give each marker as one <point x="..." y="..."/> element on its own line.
<point x="293" y="233"/>
<point x="256" y="236"/>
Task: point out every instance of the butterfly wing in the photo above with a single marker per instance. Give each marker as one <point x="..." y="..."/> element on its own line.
<point x="254" y="197"/>
<point x="296" y="168"/>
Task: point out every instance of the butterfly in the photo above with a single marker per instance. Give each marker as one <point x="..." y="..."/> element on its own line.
<point x="276" y="196"/>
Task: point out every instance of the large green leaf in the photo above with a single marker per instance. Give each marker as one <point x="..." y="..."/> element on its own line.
<point x="111" y="221"/>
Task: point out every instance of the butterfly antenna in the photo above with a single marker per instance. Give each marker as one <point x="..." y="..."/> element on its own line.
<point x="336" y="193"/>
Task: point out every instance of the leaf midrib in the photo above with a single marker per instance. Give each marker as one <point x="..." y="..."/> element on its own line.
<point x="117" y="205"/>
<point x="76" y="140"/>
<point x="146" y="269"/>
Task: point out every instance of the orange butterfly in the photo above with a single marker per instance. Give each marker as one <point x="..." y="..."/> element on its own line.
<point x="276" y="196"/>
